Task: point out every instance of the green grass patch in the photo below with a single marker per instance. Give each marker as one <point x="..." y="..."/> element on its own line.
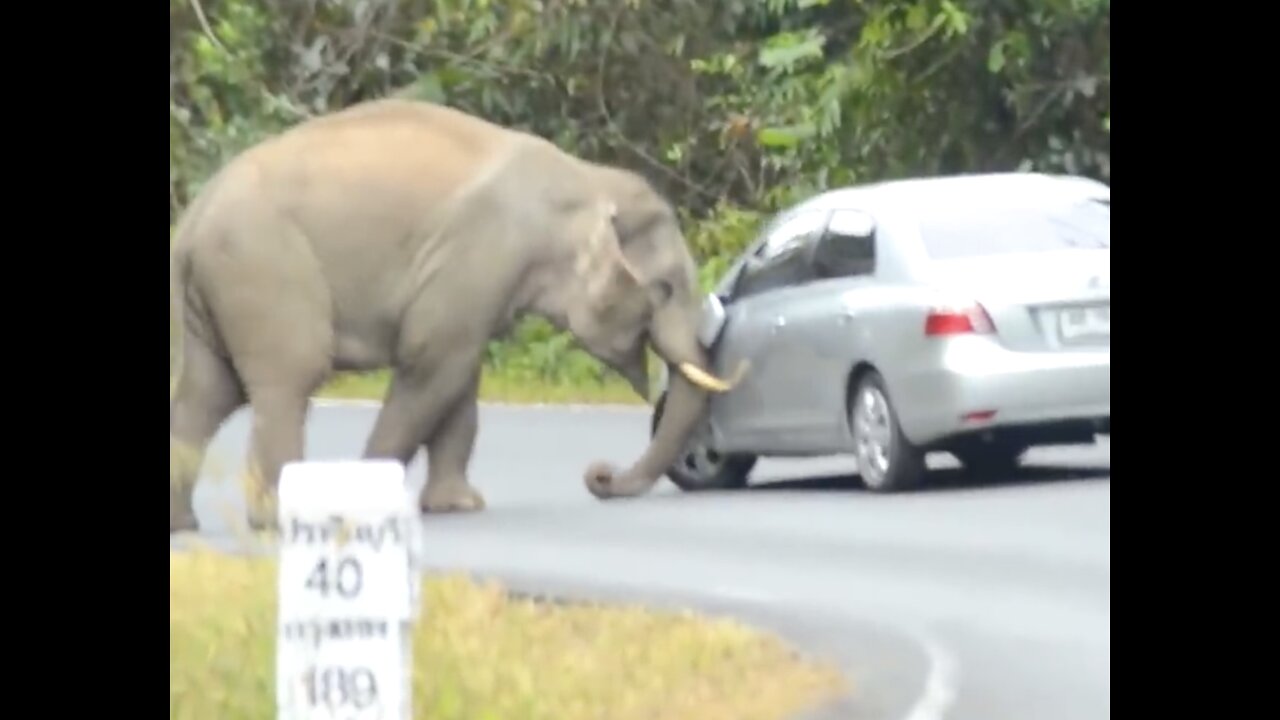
<point x="480" y="654"/>
<point x="496" y="386"/>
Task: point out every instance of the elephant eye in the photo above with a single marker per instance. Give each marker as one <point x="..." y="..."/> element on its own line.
<point x="662" y="291"/>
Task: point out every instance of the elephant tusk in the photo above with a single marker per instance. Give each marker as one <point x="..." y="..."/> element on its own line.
<point x="709" y="382"/>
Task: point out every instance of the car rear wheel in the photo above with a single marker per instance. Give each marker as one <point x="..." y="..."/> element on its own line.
<point x="887" y="461"/>
<point x="702" y="468"/>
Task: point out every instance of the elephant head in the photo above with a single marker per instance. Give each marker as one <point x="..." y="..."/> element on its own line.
<point x="635" y="286"/>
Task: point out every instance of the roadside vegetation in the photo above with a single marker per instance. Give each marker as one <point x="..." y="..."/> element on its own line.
<point x="731" y="107"/>
<point x="480" y="654"/>
<point x="504" y="387"/>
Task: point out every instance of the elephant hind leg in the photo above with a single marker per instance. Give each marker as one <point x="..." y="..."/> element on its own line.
<point x="277" y="438"/>
<point x="290" y="364"/>
<point x="274" y="313"/>
<point x="449" y="452"/>
<point x="208" y="392"/>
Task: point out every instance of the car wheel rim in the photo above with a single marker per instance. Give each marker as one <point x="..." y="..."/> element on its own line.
<point x="873" y="435"/>
<point x="702" y="462"/>
<point x="699" y="461"/>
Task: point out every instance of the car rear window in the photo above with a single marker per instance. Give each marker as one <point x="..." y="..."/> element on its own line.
<point x="960" y="232"/>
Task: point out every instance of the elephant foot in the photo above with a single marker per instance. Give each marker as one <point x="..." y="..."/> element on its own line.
<point x="264" y="523"/>
<point x="182" y="518"/>
<point x="180" y="522"/>
<point x="263" y="513"/>
<point x="448" y="497"/>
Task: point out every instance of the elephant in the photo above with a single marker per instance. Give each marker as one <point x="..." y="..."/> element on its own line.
<point x="405" y="235"/>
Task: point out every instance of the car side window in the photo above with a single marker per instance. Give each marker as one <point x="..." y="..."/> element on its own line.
<point x="779" y="261"/>
<point x="791" y="234"/>
<point x="848" y="247"/>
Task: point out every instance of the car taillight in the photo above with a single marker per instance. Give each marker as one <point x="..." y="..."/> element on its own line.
<point x="959" y="320"/>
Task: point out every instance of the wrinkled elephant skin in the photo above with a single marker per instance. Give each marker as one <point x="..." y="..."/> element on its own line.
<point x="406" y="235"/>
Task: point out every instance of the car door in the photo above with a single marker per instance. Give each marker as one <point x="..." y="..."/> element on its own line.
<point x="816" y="334"/>
<point x="749" y="416"/>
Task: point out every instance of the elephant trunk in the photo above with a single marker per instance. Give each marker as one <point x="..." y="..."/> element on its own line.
<point x="687" y="395"/>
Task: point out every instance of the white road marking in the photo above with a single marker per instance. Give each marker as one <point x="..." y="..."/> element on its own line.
<point x="940" y="686"/>
<point x="942" y="679"/>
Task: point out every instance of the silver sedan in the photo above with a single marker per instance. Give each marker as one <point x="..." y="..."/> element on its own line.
<point x="969" y="314"/>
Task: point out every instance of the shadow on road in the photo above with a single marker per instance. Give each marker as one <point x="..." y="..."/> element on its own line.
<point x="947" y="479"/>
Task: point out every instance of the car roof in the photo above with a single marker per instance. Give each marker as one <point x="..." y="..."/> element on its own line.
<point x="921" y="192"/>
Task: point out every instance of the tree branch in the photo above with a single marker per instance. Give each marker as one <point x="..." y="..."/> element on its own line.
<point x="613" y="128"/>
<point x="204" y="25"/>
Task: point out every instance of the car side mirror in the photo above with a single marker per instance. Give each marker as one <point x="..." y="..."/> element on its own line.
<point x="712" y="320"/>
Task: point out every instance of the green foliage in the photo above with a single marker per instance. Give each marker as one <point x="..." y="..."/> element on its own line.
<point x="731" y="107"/>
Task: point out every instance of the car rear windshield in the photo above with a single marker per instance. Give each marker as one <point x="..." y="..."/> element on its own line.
<point x="995" y="230"/>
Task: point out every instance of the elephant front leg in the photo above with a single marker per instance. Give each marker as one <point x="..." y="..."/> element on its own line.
<point x="449" y="452"/>
<point x="435" y="407"/>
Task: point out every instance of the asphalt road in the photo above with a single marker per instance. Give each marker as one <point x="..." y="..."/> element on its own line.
<point x="961" y="601"/>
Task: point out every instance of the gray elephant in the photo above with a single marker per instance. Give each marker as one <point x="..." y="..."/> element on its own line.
<point x="406" y="235"/>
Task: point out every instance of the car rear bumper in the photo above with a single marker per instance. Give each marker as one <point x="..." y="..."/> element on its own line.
<point x="970" y="377"/>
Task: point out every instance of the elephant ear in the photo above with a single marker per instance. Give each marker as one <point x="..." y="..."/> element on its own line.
<point x="609" y="276"/>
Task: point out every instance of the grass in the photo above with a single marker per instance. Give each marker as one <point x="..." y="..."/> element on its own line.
<point x="497" y="387"/>
<point x="480" y="654"/>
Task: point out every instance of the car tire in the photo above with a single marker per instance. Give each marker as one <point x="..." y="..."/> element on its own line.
<point x="887" y="461"/>
<point x="996" y="459"/>
<point x="701" y="469"/>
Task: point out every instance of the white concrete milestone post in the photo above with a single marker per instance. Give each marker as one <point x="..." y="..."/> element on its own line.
<point x="348" y="593"/>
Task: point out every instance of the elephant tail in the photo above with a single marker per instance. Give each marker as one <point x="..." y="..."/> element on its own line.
<point x="185" y="306"/>
<point x="179" y="279"/>
<point x="181" y="292"/>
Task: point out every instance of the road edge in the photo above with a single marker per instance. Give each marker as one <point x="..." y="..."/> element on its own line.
<point x="876" y="680"/>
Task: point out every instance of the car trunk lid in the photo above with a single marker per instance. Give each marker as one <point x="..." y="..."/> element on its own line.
<point x="1050" y="300"/>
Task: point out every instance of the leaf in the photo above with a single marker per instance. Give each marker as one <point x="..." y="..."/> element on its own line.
<point x="995" y="58"/>
<point x="958" y="21"/>
<point x="918" y="18"/>
<point x="785" y="136"/>
<point x="776" y="137"/>
<point x="429" y="88"/>
<point x="784" y="50"/>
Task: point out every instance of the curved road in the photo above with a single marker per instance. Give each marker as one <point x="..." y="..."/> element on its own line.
<point x="958" y="601"/>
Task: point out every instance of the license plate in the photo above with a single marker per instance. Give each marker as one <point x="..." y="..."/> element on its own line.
<point x="1085" y="325"/>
